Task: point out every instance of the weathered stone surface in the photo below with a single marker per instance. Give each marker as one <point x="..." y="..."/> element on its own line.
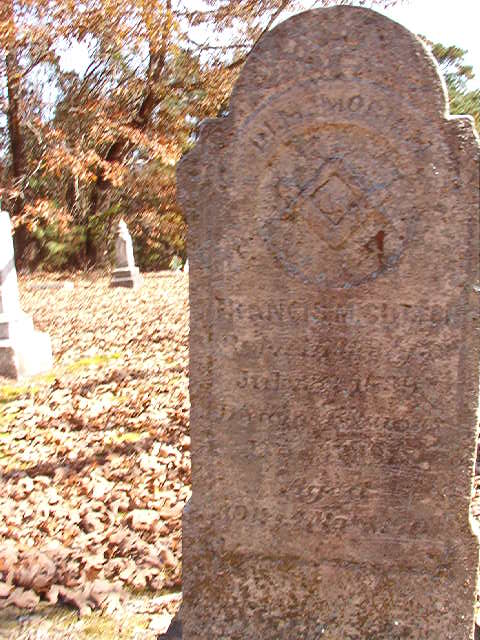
<point x="23" y="351"/>
<point x="333" y="238"/>
<point x="125" y="274"/>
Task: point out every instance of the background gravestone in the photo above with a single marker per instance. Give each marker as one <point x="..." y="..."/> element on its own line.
<point x="126" y="273"/>
<point x="333" y="243"/>
<point x="23" y="351"/>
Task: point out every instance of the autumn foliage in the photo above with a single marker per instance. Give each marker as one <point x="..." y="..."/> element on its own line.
<point x="100" y="100"/>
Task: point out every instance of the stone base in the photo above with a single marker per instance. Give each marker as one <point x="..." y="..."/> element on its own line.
<point x="27" y="356"/>
<point x="15" y="326"/>
<point x="128" y="277"/>
<point x="174" y="631"/>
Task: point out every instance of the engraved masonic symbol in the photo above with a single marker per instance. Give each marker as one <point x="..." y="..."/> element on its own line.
<point x="332" y="205"/>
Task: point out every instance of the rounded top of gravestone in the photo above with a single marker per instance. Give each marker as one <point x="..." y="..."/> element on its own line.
<point x="339" y="44"/>
<point x="122" y="228"/>
<point x="331" y="143"/>
<point x="342" y="61"/>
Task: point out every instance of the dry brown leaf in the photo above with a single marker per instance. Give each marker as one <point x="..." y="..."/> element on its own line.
<point x="154" y="561"/>
<point x="143" y="519"/>
<point x="100" y="590"/>
<point x="52" y="594"/>
<point x="35" y="571"/>
<point x="91" y="522"/>
<point x="8" y="556"/>
<point x="123" y="426"/>
<point x="23" y="599"/>
<point x="128" y="571"/>
<point x="167" y="558"/>
<point x="172" y="513"/>
<point x="76" y="597"/>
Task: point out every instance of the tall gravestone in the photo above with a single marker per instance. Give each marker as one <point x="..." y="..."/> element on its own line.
<point x="333" y="243"/>
<point x="126" y="273"/>
<point x="23" y="351"/>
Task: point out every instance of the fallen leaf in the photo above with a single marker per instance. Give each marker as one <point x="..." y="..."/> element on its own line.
<point x="167" y="558"/>
<point x="35" y="571"/>
<point x="23" y="599"/>
<point x="143" y="519"/>
<point x="76" y="597"/>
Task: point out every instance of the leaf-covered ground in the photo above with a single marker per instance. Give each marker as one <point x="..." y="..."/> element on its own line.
<point x="95" y="463"/>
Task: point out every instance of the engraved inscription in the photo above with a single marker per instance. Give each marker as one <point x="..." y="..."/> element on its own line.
<point x="385" y="444"/>
<point x="330" y="521"/>
<point x="258" y="382"/>
<point x="317" y="312"/>
<point x="321" y="105"/>
<point x="424" y="430"/>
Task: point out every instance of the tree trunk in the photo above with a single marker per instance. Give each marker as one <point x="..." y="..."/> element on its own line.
<point x="121" y="146"/>
<point x="13" y="115"/>
<point x="90" y="246"/>
<point x="14" y="131"/>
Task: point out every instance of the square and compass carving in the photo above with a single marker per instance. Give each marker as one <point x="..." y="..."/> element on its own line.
<point x="332" y="205"/>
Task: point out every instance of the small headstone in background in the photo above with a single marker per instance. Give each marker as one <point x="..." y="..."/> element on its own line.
<point x="23" y="351"/>
<point x="125" y="274"/>
<point x="185" y="267"/>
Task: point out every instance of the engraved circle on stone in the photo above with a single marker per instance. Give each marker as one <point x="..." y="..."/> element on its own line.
<point x="333" y="207"/>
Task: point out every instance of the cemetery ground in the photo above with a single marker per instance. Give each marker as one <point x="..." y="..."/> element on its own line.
<point x="95" y="462"/>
